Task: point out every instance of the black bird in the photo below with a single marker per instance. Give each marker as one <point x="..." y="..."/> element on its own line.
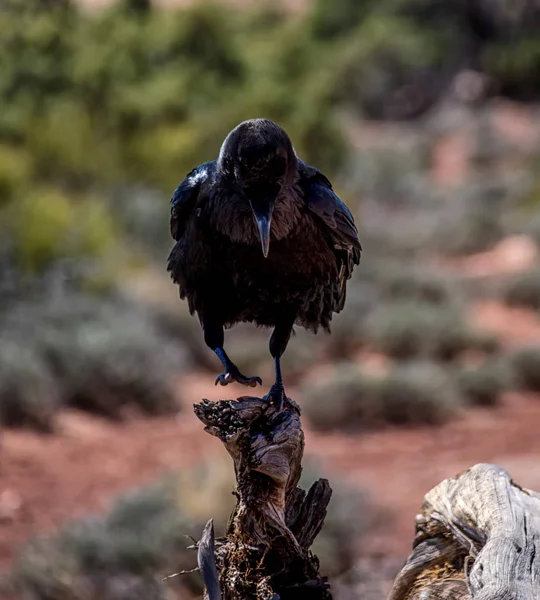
<point x="260" y="237"/>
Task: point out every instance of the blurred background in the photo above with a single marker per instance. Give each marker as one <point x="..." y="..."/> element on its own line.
<point x="424" y="114"/>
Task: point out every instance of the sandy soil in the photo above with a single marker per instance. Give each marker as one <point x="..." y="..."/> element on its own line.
<point x="514" y="326"/>
<point x="399" y="466"/>
<point x="511" y="255"/>
<point x="47" y="480"/>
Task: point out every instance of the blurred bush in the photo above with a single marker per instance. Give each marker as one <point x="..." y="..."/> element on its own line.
<point x="523" y="289"/>
<point x="483" y="384"/>
<point x="393" y="285"/>
<point x="525" y="366"/>
<point x="405" y="330"/>
<point x="349" y="399"/>
<point x="416" y="283"/>
<point x="93" y="354"/>
<point x="124" y="554"/>
<point x="117" y="557"/>
<point x="47" y="226"/>
<point x="158" y="96"/>
<point x="346" y="522"/>
<point x="29" y="394"/>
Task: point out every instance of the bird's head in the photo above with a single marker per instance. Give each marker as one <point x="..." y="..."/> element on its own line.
<point x="259" y="157"/>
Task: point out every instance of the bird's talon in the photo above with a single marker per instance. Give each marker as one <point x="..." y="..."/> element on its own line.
<point x="276" y="397"/>
<point x="230" y="377"/>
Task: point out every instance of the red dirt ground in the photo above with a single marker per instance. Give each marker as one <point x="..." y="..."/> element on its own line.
<point x="514" y="326"/>
<point x="397" y="467"/>
<point x="47" y="480"/>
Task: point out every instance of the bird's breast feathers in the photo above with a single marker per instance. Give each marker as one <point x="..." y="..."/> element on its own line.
<point x="231" y="215"/>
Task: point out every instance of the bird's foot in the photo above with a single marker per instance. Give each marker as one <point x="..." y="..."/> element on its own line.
<point x="233" y="374"/>
<point x="276" y="396"/>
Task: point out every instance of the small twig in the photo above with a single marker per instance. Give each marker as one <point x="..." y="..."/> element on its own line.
<point x="183" y="572"/>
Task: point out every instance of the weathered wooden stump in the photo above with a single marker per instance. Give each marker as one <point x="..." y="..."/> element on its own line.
<point x="265" y="553"/>
<point x="477" y="538"/>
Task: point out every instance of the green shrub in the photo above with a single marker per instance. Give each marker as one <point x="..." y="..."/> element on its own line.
<point x="41" y="226"/>
<point x="381" y="68"/>
<point x="525" y="366"/>
<point x="471" y="218"/>
<point x="417" y="393"/>
<point x="406" y="330"/>
<point x="125" y="554"/>
<point x="338" y="18"/>
<point x="523" y="289"/>
<point x="402" y="280"/>
<point x="410" y="394"/>
<point x="483" y="385"/>
<point x="89" y="353"/>
<point x="116" y="557"/>
<point x="29" y="394"/>
<point x="345" y="524"/>
<point x="344" y="393"/>
<point x="516" y="63"/>
<point x="47" y="226"/>
<point x="15" y="171"/>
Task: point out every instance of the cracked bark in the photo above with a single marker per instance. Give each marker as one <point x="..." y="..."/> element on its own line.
<point x="265" y="553"/>
<point x="477" y="538"/>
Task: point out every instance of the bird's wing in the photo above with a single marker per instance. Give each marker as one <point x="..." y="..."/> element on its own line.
<point x="321" y="199"/>
<point x="185" y="197"/>
<point x="338" y="221"/>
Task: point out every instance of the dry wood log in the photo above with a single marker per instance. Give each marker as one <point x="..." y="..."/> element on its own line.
<point x="265" y="554"/>
<point x="477" y="538"/>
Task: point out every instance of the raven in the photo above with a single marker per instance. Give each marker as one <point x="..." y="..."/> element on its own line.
<point x="258" y="195"/>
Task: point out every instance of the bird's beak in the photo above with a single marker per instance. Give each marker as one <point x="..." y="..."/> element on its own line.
<point x="264" y="223"/>
<point x="263" y="217"/>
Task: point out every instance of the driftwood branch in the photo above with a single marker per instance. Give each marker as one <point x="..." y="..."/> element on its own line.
<point x="477" y="538"/>
<point x="265" y="554"/>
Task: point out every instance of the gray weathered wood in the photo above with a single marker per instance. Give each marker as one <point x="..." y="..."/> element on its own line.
<point x="477" y="538"/>
<point x="265" y="553"/>
<point x="207" y="562"/>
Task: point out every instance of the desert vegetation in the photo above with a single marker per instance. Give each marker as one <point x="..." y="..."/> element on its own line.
<point x="145" y="538"/>
<point x="425" y="117"/>
<point x="97" y="129"/>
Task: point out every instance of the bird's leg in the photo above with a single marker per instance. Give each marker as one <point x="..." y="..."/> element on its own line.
<point x="232" y="373"/>
<point x="278" y="344"/>
<point x="276" y="395"/>
<point x="214" y="338"/>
